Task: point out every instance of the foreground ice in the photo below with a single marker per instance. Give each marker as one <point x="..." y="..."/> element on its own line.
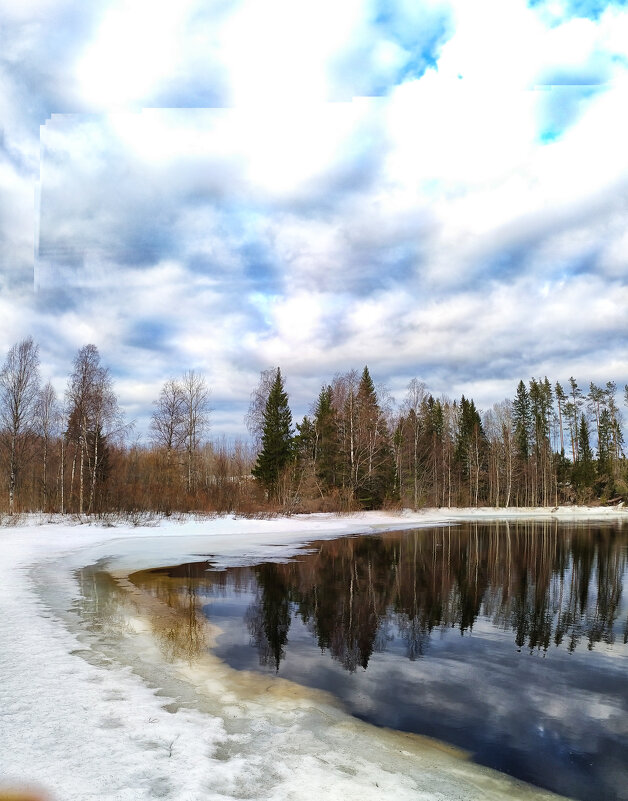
<point x="81" y="722"/>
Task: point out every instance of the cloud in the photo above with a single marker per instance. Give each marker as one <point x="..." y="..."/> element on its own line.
<point x="466" y="226"/>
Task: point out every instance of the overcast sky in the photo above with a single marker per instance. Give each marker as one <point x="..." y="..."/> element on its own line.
<point x="435" y="188"/>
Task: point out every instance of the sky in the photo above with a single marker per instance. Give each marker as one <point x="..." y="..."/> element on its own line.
<point x="435" y="188"/>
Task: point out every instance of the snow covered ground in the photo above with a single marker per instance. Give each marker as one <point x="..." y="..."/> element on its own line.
<point x="100" y="715"/>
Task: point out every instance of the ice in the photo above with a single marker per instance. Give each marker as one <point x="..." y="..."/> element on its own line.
<point x="99" y="714"/>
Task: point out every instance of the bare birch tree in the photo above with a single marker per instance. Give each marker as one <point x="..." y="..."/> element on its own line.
<point x="254" y="418"/>
<point x="196" y="418"/>
<point x="48" y="419"/>
<point x="19" y="390"/>
<point x="167" y="425"/>
<point x="93" y="415"/>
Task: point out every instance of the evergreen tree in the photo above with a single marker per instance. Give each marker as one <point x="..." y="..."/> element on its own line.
<point x="540" y="410"/>
<point x="327" y="443"/>
<point x="304" y="443"/>
<point x="470" y="446"/>
<point x="375" y="474"/>
<point x="584" y="469"/>
<point x="561" y="400"/>
<point x="277" y="439"/>
<point x="605" y="444"/>
<point x="522" y="420"/>
<point x="572" y="410"/>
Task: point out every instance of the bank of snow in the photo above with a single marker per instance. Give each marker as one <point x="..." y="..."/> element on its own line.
<point x="84" y="725"/>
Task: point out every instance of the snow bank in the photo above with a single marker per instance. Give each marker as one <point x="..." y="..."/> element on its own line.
<point x="81" y="723"/>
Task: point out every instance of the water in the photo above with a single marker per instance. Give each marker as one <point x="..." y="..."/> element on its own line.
<point x="506" y="640"/>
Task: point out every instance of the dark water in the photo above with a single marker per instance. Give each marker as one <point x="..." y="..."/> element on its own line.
<point x="507" y="640"/>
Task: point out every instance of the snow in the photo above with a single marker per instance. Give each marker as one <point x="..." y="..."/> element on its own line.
<point x="79" y="721"/>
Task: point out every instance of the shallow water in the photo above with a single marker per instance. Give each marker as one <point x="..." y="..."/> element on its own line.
<point x="505" y="640"/>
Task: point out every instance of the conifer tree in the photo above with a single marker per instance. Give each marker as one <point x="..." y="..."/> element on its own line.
<point x="584" y="469"/>
<point x="469" y="446"/>
<point x="522" y="420"/>
<point x="327" y="447"/>
<point x="605" y="443"/>
<point x="277" y="439"/>
<point x="561" y="400"/>
<point x="375" y="473"/>
<point x="572" y="410"/>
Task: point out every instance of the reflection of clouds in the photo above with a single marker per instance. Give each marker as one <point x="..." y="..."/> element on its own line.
<point x="475" y="701"/>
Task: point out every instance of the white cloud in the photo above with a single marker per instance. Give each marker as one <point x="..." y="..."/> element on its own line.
<point x="467" y="230"/>
<point x="135" y="50"/>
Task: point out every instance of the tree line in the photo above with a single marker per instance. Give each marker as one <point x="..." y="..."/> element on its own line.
<point x="356" y="449"/>
<point x="548" y="445"/>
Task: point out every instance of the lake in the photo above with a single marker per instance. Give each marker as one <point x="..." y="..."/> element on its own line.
<point x="506" y="640"/>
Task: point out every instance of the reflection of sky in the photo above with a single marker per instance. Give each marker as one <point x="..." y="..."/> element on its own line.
<point x="555" y="719"/>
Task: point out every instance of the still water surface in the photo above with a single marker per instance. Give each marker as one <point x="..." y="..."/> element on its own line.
<point x="508" y="640"/>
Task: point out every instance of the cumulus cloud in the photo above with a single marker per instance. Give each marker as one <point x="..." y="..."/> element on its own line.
<point x="434" y="190"/>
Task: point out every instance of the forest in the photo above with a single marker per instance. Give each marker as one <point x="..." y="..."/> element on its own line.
<point x="552" y="443"/>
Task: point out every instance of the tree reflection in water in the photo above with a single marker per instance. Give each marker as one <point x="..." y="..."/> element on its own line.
<point x="551" y="584"/>
<point x="546" y="583"/>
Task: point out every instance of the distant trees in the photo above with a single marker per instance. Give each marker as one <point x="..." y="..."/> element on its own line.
<point x="354" y="448"/>
<point x="470" y="441"/>
<point x="410" y="442"/>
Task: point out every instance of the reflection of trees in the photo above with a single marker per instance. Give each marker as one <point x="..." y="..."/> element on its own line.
<point x="182" y="635"/>
<point x="548" y="584"/>
<point x="268" y="617"/>
<point x="102" y="604"/>
<point x="180" y="626"/>
<point x="537" y="579"/>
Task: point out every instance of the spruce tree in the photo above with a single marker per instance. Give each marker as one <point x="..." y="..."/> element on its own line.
<point x="277" y="439"/>
<point x="327" y="450"/>
<point x="372" y="464"/>
<point x="522" y="420"/>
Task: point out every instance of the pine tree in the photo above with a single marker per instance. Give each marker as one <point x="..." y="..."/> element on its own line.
<point x="561" y="400"/>
<point x="572" y="410"/>
<point x="584" y="469"/>
<point x="605" y="444"/>
<point x="277" y="440"/>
